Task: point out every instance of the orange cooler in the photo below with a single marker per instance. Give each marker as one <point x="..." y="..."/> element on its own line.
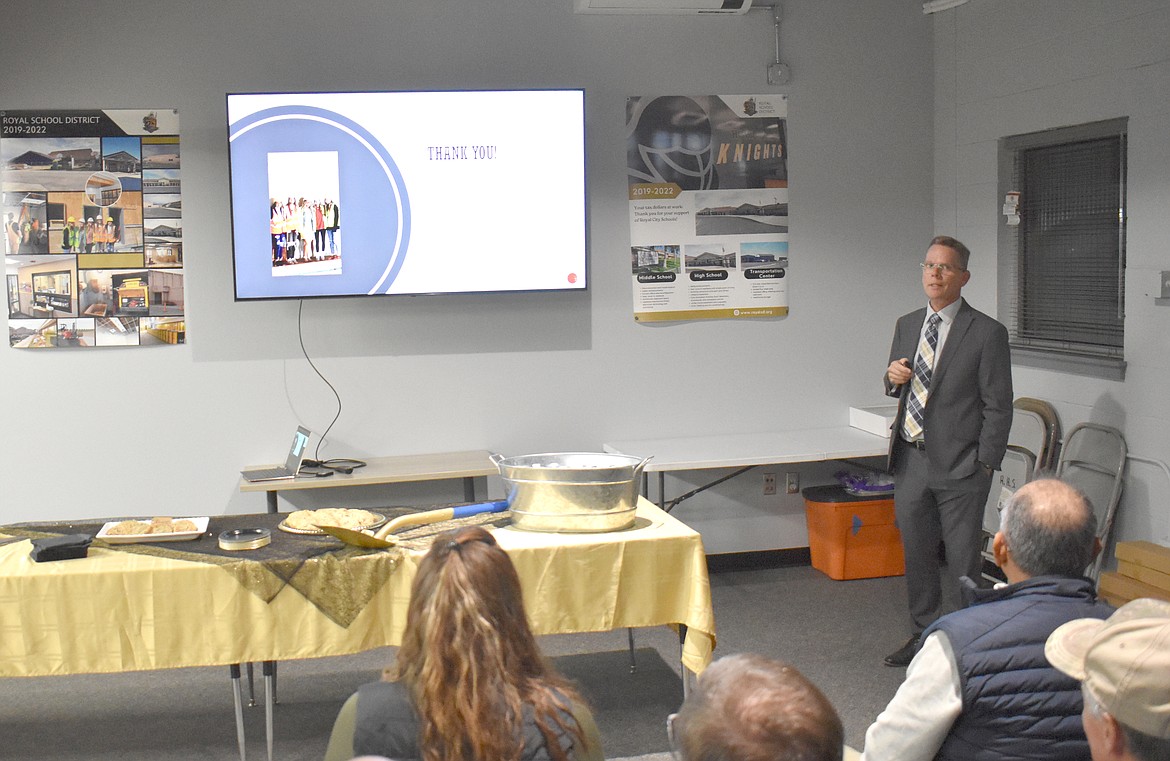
<point x="852" y="536"/>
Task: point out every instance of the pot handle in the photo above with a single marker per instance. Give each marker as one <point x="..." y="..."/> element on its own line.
<point x="496" y="459"/>
<point x="640" y="466"/>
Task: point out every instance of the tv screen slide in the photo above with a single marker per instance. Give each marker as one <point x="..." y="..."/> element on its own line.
<point x="368" y="193"/>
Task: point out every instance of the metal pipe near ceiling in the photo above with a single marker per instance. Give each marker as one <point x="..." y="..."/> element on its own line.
<point x="934" y="6"/>
<point x="779" y="72"/>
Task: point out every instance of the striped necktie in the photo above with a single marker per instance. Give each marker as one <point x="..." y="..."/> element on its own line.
<point x="915" y="416"/>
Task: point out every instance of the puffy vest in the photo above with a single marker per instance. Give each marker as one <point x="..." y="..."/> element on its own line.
<point x="387" y="725"/>
<point x="1015" y="704"/>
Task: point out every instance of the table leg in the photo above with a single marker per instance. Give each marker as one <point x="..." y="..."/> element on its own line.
<point x="271" y="495"/>
<point x="237" y="693"/>
<point x="662" y="490"/>
<point x="686" y="673"/>
<point x="633" y="664"/>
<point x="269" y="668"/>
<point x="251" y="686"/>
<point x="469" y="488"/>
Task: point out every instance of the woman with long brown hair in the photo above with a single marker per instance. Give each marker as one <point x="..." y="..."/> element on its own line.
<point x="469" y="683"/>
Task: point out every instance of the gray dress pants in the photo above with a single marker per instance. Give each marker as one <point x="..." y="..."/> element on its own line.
<point x="929" y="508"/>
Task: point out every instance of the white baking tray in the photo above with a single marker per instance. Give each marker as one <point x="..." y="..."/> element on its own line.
<point x="178" y="536"/>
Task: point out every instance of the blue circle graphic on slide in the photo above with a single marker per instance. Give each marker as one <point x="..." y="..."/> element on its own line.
<point x="372" y="201"/>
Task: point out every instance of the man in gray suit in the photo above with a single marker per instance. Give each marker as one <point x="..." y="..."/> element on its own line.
<point x="951" y="369"/>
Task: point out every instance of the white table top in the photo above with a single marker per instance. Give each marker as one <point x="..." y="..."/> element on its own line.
<point x="391" y="470"/>
<point x="738" y="450"/>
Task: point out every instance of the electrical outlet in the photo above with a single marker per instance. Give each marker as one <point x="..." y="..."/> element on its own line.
<point x="791" y="483"/>
<point x="769" y="483"/>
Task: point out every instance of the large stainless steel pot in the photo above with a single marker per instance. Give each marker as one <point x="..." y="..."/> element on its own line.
<point x="573" y="492"/>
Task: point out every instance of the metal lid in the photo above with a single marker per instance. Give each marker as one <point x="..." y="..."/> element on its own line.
<point x="245" y="539"/>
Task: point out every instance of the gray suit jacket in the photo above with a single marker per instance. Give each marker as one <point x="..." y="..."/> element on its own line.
<point x="969" y="409"/>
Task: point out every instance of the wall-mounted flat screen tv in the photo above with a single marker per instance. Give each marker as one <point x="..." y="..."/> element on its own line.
<point x="371" y="193"/>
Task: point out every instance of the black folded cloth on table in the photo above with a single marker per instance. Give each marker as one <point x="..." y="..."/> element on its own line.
<point x="337" y="579"/>
<point x="65" y="547"/>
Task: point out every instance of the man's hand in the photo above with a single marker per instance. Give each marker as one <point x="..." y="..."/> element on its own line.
<point x="898" y="372"/>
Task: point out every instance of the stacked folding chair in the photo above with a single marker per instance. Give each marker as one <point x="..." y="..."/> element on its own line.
<point x="1033" y="443"/>
<point x="1093" y="460"/>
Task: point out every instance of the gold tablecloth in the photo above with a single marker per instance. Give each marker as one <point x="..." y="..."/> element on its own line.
<point x="119" y="611"/>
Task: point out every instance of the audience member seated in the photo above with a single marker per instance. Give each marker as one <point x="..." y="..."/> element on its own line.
<point x="750" y="708"/>
<point x="980" y="687"/>
<point x="469" y="683"/>
<point x="1123" y="664"/>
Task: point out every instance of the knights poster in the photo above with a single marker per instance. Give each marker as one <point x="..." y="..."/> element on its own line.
<point x="92" y="227"/>
<point x="708" y="200"/>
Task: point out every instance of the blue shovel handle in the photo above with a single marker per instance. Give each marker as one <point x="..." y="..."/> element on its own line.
<point x="463" y="511"/>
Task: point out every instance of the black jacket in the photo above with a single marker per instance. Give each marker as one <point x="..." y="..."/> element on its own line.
<point x="1015" y="704"/>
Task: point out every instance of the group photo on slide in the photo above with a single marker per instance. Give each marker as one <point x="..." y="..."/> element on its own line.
<point x="304" y="232"/>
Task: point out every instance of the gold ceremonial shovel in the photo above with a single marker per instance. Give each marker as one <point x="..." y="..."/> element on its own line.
<point x="357" y="538"/>
<point x="379" y="540"/>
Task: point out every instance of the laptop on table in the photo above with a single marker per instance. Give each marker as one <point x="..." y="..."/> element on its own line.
<point x="292" y="463"/>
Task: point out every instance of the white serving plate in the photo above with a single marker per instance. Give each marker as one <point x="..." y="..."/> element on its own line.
<point x="178" y="536"/>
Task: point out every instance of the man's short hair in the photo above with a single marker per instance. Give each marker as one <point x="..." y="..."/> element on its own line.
<point x="955" y="245"/>
<point x="1122" y="663"/>
<point x="1050" y="528"/>
<point x="750" y="708"/>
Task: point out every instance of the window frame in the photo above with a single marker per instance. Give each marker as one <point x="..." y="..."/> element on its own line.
<point x="1082" y="359"/>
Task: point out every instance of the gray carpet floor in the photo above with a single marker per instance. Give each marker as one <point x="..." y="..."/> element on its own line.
<point x="836" y="632"/>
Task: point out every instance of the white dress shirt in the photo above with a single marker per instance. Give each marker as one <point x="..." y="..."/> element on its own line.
<point x="919" y="718"/>
<point x="946" y="319"/>
<point x="947" y="315"/>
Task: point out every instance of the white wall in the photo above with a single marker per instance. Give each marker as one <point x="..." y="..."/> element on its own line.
<point x="166" y="430"/>
<point x="1002" y="68"/>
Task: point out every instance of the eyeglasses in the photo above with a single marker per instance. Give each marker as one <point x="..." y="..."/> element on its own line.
<point x="670" y="736"/>
<point x="941" y="268"/>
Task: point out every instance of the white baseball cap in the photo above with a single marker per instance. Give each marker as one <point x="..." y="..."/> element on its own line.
<point x="1124" y="660"/>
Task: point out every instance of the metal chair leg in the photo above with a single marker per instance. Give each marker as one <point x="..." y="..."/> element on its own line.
<point x="686" y="673"/>
<point x="237" y="693"/>
<point x="251" y="687"/>
<point x="269" y="668"/>
<point x="633" y="663"/>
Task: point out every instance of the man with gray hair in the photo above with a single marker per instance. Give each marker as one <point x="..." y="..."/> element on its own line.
<point x="1123" y="664"/>
<point x="980" y="687"/>
<point x="750" y="708"/>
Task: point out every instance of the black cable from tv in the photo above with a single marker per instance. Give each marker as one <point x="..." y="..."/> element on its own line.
<point x="339" y="464"/>
<point x="345" y="465"/>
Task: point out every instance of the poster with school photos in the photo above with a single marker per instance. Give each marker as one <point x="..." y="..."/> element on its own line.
<point x="708" y="203"/>
<point x="92" y="232"/>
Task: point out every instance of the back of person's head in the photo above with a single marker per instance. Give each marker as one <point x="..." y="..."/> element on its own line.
<point x="750" y="708"/>
<point x="1123" y="664"/>
<point x="469" y="656"/>
<point x="1050" y="528"/>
